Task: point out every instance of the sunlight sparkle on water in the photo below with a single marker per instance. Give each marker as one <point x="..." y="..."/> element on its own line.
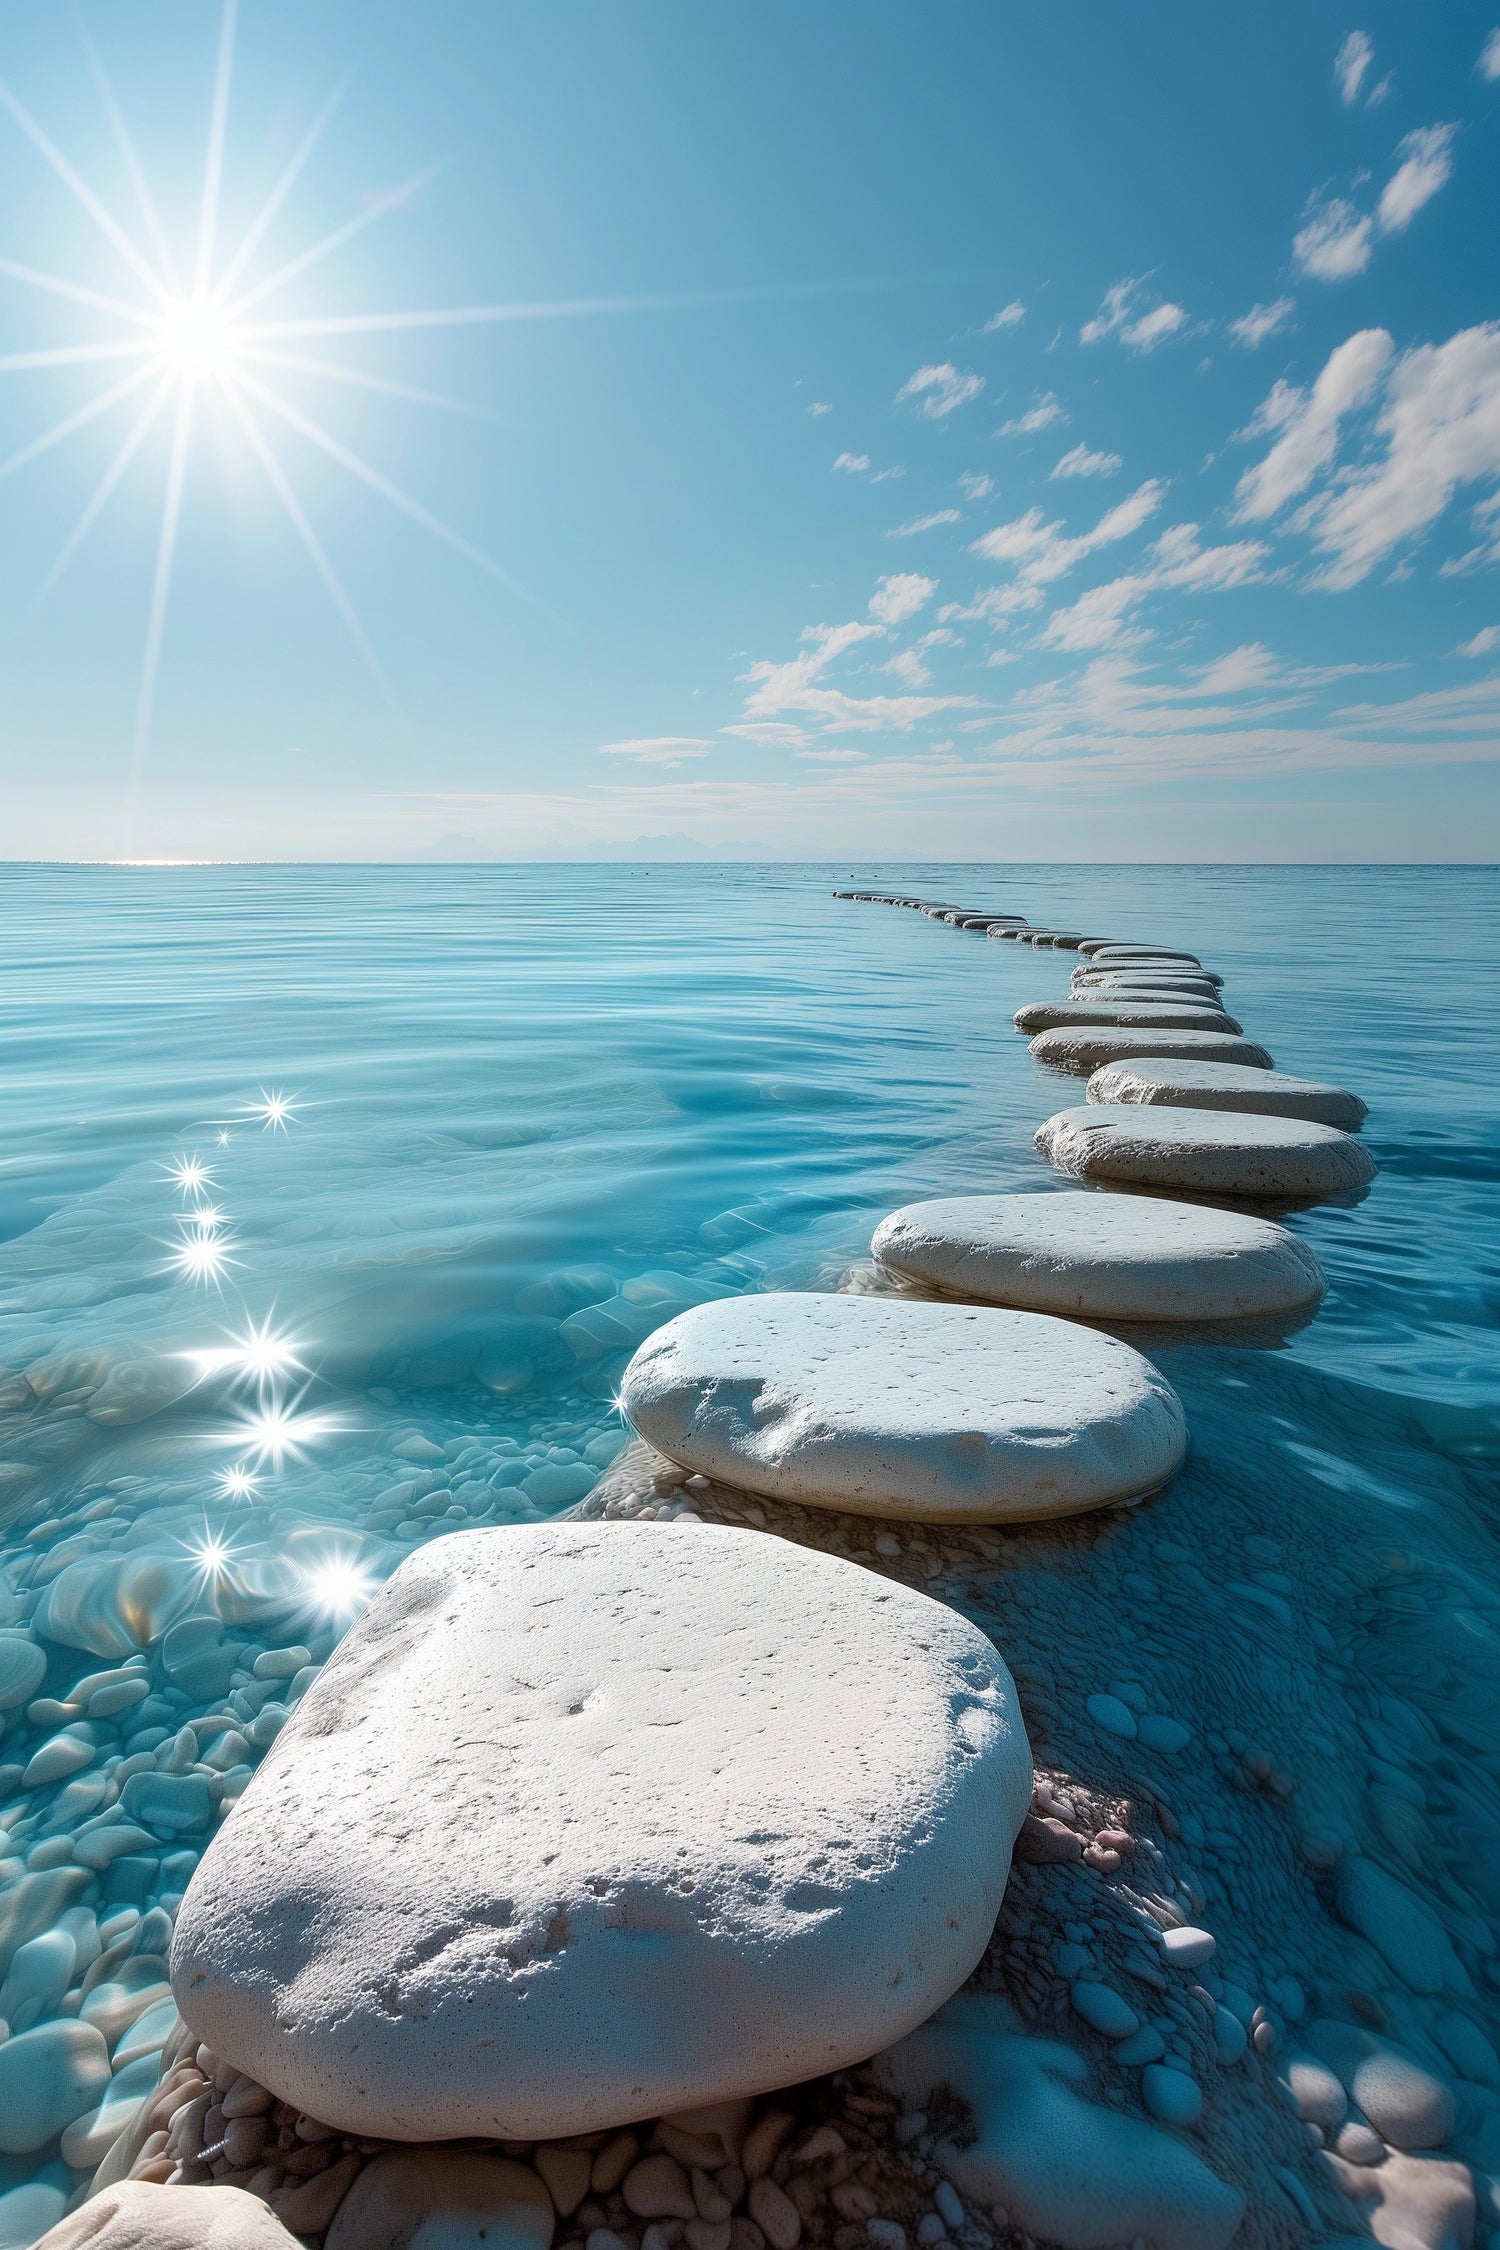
<point x="272" y="1432"/>
<point x="189" y="1175"/>
<point x="203" y="1257"/>
<point x="338" y="1587"/>
<point x="257" y="1356"/>
<point x="212" y="1553"/>
<point x="273" y="1110"/>
<point x="237" y="1483"/>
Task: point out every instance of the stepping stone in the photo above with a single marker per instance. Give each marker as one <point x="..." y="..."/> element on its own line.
<point x="588" y="1822"/>
<point x="1214" y="1085"/>
<point x="1212" y="1152"/>
<point x="1143" y="953"/>
<point x="1094" y="980"/>
<point x="1080" y="1051"/>
<point x="1104" y="1257"/>
<point x="934" y="1413"/>
<point x="1054" y="1015"/>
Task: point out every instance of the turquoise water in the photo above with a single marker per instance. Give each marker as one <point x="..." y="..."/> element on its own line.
<point x="529" y="1114"/>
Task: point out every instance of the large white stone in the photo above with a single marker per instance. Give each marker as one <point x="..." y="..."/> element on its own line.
<point x="1214" y="1085"/>
<point x="1212" y="1152"/>
<point x="137" y="2216"/>
<point x="1106" y="1257"/>
<point x="1085" y="981"/>
<point x="587" y="1822"/>
<point x="1160" y="1015"/>
<point x="943" y="1413"/>
<point x="1081" y="1051"/>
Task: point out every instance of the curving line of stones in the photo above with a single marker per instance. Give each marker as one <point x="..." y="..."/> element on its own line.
<point x="592" y="1836"/>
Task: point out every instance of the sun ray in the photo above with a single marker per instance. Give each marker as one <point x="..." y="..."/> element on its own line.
<point x="75" y="355"/>
<point x="72" y="422"/>
<point x="380" y="208"/>
<point x="282" y="487"/>
<point x="160" y="588"/>
<point x="372" y="477"/>
<point x="260" y="225"/>
<point x="362" y="381"/>
<point x="102" y="218"/>
<point x="132" y="163"/>
<point x="213" y="170"/>
<point x="81" y="296"/>
<point x="106" y="485"/>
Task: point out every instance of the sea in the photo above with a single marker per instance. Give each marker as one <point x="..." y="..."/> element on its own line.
<point x="334" y="1200"/>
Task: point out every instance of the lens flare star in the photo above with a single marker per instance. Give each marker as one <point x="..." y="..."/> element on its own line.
<point x="212" y="1553"/>
<point x="273" y="1110"/>
<point x="338" y="1588"/>
<point x="258" y="1356"/>
<point x="189" y="1176"/>
<point x="203" y="1257"/>
<point x="277" y="1429"/>
<point x="237" y="1483"/>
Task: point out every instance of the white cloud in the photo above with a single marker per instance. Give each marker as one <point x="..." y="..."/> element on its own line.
<point x="1043" y="416"/>
<point x="657" y="749"/>
<point x="1350" y="65"/>
<point x="925" y="523"/>
<point x="1426" y="166"/>
<point x="1042" y="551"/>
<point x="897" y="598"/>
<point x="821" y="406"/>
<point x="1485" y="642"/>
<point x="1250" y="666"/>
<point x="939" y="389"/>
<point x="1440" y="423"/>
<point x="909" y="669"/>
<point x="1309" y="424"/>
<point x="1252" y="328"/>
<point x="1011" y="315"/>
<point x="1488" y="65"/>
<point x="1144" y="331"/>
<point x="855" y="464"/>
<point x="1154" y="328"/>
<point x="835" y="757"/>
<point x="1079" y="462"/>
<point x="975" y="486"/>
<point x="1334" y="240"/>
<point x="1112" y="314"/>
<point x="796" y="685"/>
<point x="769" y="734"/>
<point x="884" y="476"/>
<point x="1175" y="562"/>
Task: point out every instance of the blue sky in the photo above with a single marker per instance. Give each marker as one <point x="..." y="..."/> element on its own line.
<point x="951" y="430"/>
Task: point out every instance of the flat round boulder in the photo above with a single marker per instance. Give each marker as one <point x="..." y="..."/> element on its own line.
<point x="1217" y="1085"/>
<point x="1080" y="1051"/>
<point x="583" y="1823"/>
<point x="1174" y="980"/>
<point x="936" y="1413"/>
<point x="1166" y="1015"/>
<point x="1104" y="1257"/>
<point x="1143" y="953"/>
<point x="1210" y="1152"/>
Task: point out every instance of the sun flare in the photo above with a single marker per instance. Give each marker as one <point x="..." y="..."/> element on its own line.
<point x="198" y="341"/>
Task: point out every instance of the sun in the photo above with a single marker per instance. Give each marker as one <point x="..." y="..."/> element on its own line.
<point x="198" y="341"/>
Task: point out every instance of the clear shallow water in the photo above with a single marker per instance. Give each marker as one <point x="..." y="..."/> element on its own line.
<point x="535" y="1112"/>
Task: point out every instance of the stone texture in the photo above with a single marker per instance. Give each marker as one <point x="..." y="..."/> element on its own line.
<point x="1209" y="1151"/>
<point x="1079" y="1050"/>
<point x="890" y="1408"/>
<point x="1151" y="1014"/>
<point x="1106" y="1257"/>
<point x="1227" y="1086"/>
<point x="136" y="2216"/>
<point x="583" y="1823"/>
<point x="443" y="2199"/>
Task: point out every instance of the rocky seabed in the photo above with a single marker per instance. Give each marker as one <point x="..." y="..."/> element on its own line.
<point x="912" y="1797"/>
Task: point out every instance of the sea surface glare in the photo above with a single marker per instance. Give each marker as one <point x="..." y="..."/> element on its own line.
<point x="333" y="1201"/>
